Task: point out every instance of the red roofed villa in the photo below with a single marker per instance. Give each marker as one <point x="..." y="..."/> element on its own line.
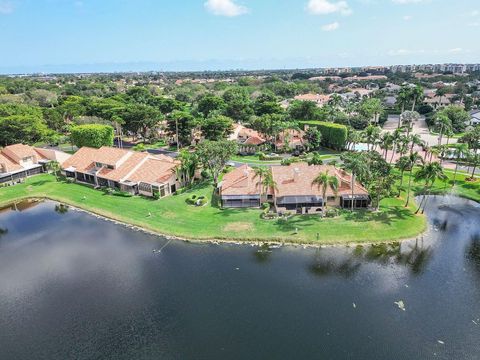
<point x="293" y="189"/>
<point x="124" y="170"/>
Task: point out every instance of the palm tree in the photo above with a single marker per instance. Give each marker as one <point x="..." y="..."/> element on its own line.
<point x="386" y="143"/>
<point x="429" y="173"/>
<point x="335" y="101"/>
<point x="474" y="161"/>
<point x="372" y="134"/>
<point x="402" y="99"/>
<point x="261" y="173"/>
<point x="325" y="181"/>
<point x="442" y="122"/>
<point x="54" y="167"/>
<point x="396" y="137"/>
<point x="417" y="94"/>
<point x="269" y="183"/>
<point x="402" y="164"/>
<point x="461" y="150"/>
<point x="415" y="140"/>
<point x="413" y="160"/>
<point x="356" y="164"/>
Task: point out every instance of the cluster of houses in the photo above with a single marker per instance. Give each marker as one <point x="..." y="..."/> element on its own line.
<point x="150" y="175"/>
<point x="119" y="169"/>
<point x="292" y="189"/>
<point x="20" y="161"/>
<point x="124" y="170"/>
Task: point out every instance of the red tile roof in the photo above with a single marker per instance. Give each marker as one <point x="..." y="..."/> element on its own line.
<point x="241" y="181"/>
<point x="296" y="180"/>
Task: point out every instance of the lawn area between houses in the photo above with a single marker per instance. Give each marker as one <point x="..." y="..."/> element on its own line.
<point x="172" y="216"/>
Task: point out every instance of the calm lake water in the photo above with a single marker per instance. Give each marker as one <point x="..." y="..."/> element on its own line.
<point x="76" y="287"/>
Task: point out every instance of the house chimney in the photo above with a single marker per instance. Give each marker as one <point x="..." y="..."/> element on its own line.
<point x="296" y="174"/>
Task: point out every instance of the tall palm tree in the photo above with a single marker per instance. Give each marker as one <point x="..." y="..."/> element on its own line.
<point x="474" y="161"/>
<point x="417" y="94"/>
<point x="413" y="159"/>
<point x="357" y="165"/>
<point x="325" y="181"/>
<point x="54" y="167"/>
<point x="403" y="165"/>
<point x="396" y="137"/>
<point x="261" y="173"/>
<point x="372" y="134"/>
<point x="415" y="139"/>
<point x="429" y="173"/>
<point x="386" y="143"/>
<point x="461" y="151"/>
<point x="402" y="99"/>
<point x="270" y="183"/>
<point x="443" y="123"/>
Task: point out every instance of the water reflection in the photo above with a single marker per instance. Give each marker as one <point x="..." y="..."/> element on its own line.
<point x="473" y="253"/>
<point x="61" y="208"/>
<point x="415" y="257"/>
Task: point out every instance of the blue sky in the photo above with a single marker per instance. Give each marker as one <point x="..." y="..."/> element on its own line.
<point x="109" y="35"/>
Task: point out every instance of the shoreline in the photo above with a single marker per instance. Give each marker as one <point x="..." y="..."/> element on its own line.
<point x="218" y="241"/>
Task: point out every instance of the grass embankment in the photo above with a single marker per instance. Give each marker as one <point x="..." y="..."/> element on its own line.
<point x="463" y="188"/>
<point x="172" y="216"/>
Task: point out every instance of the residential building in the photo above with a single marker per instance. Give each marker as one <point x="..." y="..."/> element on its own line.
<point x="124" y="170"/>
<point x="249" y="141"/>
<point x="293" y="191"/>
<point x="241" y="188"/>
<point x="319" y="99"/>
<point x="474" y="118"/>
<point x="20" y="161"/>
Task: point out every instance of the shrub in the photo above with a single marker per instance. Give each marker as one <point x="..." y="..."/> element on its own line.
<point x="333" y="135"/>
<point x="92" y="135"/>
<point x="139" y="147"/>
<point x="331" y="213"/>
<point x="122" y="193"/>
<point x="266" y="205"/>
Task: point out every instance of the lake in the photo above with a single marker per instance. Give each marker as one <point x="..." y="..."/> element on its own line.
<point x="73" y="286"/>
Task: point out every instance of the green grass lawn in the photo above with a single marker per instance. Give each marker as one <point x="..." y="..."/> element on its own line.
<point x="172" y="216"/>
<point x="466" y="189"/>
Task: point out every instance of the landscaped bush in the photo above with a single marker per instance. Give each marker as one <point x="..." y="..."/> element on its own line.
<point x="263" y="157"/>
<point x="197" y="201"/>
<point x="333" y="135"/>
<point x="331" y="213"/>
<point x="139" y="147"/>
<point x="92" y="135"/>
<point x="121" y="193"/>
<point x="289" y="161"/>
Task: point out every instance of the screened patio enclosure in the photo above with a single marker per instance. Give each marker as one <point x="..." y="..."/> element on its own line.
<point x="299" y="202"/>
<point x="360" y="201"/>
<point x="240" y="201"/>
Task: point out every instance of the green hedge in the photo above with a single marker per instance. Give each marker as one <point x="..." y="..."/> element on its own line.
<point x="333" y="135"/>
<point x="92" y="135"/>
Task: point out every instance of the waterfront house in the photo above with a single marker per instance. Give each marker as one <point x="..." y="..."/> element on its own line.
<point x="20" y="161"/>
<point x="241" y="188"/>
<point x="293" y="191"/>
<point x="124" y="170"/>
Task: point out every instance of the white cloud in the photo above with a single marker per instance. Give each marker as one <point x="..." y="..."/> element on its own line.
<point x="402" y="2"/>
<point x="474" y="24"/>
<point x="6" y="7"/>
<point x="331" y="27"/>
<point x="324" y="7"/>
<point x="475" y="13"/>
<point x="455" y="50"/>
<point x="225" y="8"/>
<point x="408" y="17"/>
